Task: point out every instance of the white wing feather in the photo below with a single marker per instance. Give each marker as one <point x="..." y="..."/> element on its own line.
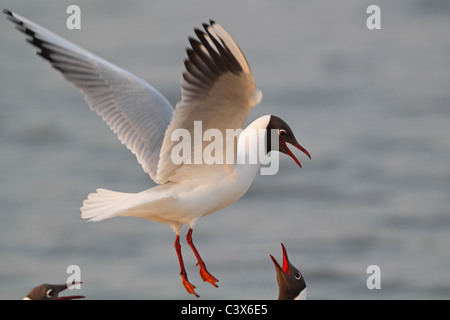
<point x="133" y="109"/>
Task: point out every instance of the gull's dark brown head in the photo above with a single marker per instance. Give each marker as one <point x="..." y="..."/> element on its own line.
<point x="50" y="292"/>
<point x="285" y="136"/>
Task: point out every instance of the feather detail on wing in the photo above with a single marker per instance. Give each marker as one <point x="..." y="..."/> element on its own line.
<point x="218" y="89"/>
<point x="133" y="109"/>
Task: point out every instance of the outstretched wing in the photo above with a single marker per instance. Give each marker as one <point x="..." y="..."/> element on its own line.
<point x="133" y="109"/>
<point x="218" y="89"/>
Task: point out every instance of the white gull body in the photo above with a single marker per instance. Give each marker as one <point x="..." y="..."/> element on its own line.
<point x="184" y="199"/>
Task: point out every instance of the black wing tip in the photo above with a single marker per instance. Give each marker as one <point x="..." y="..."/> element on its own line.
<point x="195" y="41"/>
<point x="32" y="39"/>
<point x="10" y="16"/>
<point x="209" y="54"/>
<point x="199" y="33"/>
<point x="206" y="25"/>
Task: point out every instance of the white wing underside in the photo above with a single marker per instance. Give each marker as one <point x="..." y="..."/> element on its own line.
<point x="133" y="109"/>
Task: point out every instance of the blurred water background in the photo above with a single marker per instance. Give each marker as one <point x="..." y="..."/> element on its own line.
<point x="371" y="106"/>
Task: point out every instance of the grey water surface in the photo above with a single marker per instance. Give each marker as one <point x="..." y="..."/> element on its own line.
<point x="371" y="106"/>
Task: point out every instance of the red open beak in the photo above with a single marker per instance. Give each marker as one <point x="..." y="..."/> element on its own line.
<point x="285" y="268"/>
<point x="292" y="155"/>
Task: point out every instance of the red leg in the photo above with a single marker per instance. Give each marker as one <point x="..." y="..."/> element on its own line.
<point x="189" y="287"/>
<point x="206" y="276"/>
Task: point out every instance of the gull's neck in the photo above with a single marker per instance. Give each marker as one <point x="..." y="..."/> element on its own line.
<point x="251" y="149"/>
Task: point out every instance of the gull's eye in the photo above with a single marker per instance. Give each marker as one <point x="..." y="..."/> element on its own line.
<point x="49" y="293"/>
<point x="282" y="132"/>
<point x="297" y="275"/>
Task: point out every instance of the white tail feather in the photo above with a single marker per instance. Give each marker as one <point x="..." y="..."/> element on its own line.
<point x="103" y="204"/>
